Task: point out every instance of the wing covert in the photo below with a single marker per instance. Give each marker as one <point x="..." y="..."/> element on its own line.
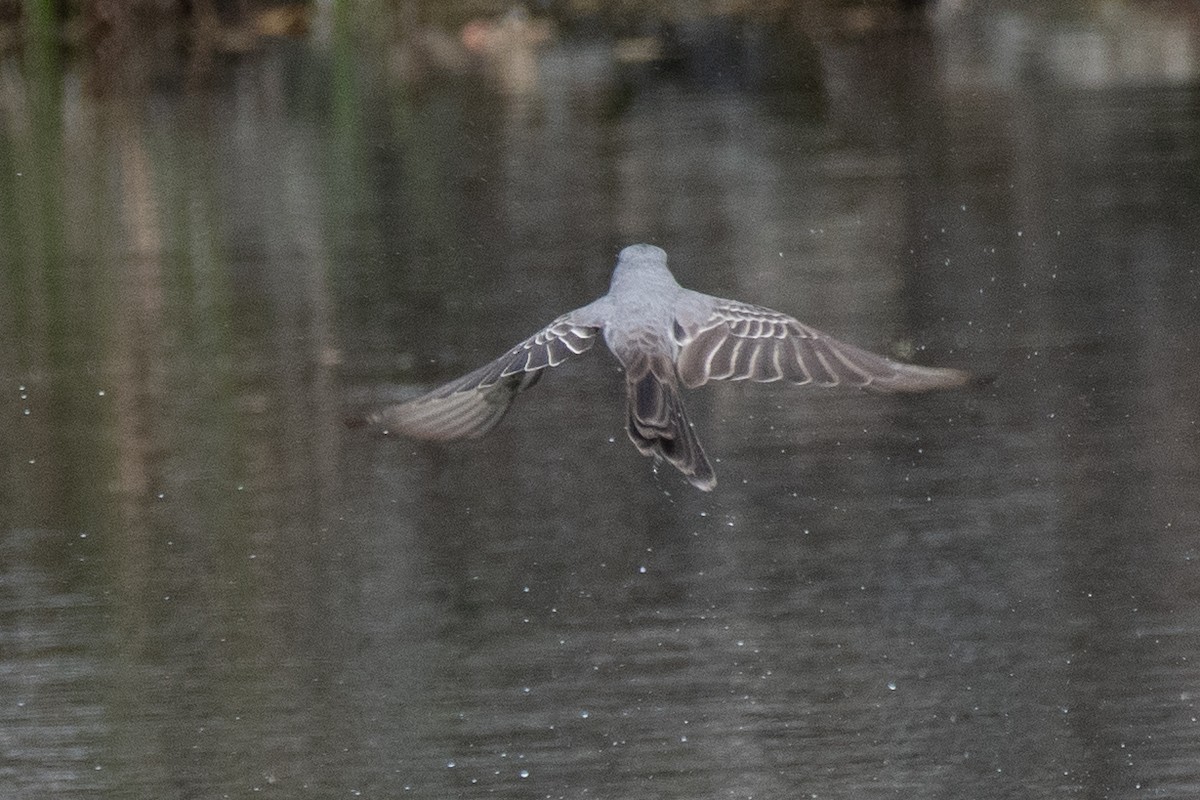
<point x="739" y="341"/>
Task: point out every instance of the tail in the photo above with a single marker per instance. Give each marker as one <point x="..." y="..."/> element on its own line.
<point x="658" y="423"/>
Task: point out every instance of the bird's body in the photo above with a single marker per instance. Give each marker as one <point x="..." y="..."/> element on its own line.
<point x="638" y="316"/>
<point x="665" y="337"/>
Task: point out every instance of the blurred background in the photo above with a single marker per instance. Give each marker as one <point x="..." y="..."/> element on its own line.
<point x="224" y="224"/>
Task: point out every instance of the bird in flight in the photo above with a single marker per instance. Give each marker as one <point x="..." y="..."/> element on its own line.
<point x="666" y="338"/>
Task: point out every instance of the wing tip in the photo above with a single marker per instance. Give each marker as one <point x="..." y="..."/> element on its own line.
<point x="912" y="379"/>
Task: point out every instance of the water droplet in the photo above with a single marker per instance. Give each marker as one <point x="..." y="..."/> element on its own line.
<point x="892" y="685"/>
<point x="524" y="773"/>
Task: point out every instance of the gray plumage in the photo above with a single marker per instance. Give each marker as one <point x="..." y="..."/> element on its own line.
<point x="666" y="337"/>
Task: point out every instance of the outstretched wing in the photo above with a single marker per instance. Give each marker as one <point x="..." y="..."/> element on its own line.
<point x="470" y="406"/>
<point x="728" y="340"/>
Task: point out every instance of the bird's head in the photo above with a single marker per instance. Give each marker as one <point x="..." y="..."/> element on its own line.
<point x="642" y="264"/>
<point x="639" y="253"/>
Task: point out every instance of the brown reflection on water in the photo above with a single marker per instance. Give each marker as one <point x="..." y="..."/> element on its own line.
<point x="208" y="587"/>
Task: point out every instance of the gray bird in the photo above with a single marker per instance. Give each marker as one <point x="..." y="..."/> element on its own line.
<point x="665" y="336"/>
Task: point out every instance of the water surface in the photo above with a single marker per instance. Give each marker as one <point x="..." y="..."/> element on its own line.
<point x="210" y="588"/>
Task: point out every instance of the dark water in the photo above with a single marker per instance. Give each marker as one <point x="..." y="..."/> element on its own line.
<point x="209" y="588"/>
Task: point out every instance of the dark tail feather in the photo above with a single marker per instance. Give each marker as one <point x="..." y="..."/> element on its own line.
<point x="659" y="426"/>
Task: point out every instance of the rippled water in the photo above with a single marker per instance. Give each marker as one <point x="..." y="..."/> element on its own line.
<point x="210" y="588"/>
